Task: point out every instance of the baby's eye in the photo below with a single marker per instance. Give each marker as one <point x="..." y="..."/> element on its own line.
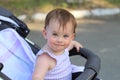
<point x="55" y="34"/>
<point x="66" y="36"/>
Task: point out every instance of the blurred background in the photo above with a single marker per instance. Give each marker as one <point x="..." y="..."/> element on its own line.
<point x="32" y="6"/>
<point x="99" y="31"/>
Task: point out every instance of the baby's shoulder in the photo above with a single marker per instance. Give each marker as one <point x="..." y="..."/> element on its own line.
<point x="45" y="57"/>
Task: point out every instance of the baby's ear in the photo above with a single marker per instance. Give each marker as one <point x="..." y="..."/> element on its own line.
<point x="44" y="33"/>
<point x="73" y="36"/>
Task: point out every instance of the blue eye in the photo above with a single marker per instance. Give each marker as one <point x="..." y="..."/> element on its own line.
<point x="54" y="34"/>
<point x="66" y="36"/>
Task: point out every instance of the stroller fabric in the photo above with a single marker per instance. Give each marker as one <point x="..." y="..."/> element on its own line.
<point x="16" y="55"/>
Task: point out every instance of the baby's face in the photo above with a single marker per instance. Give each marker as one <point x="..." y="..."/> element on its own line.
<point x="58" y="36"/>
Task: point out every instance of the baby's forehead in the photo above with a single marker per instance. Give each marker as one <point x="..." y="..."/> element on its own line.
<point x="57" y="27"/>
<point x="62" y="31"/>
<point x="60" y="23"/>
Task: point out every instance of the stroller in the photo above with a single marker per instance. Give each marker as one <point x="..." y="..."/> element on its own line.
<point x="17" y="53"/>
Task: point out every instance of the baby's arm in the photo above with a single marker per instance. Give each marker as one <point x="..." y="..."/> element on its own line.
<point x="75" y="44"/>
<point x="41" y="67"/>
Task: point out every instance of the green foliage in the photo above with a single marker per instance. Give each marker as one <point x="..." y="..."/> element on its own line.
<point x="116" y="2"/>
<point x="28" y="6"/>
<point x="19" y="5"/>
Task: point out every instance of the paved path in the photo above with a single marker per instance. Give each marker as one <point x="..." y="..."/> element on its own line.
<point x="102" y="36"/>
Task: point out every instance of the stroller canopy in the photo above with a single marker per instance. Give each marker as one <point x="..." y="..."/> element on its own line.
<point x="14" y="52"/>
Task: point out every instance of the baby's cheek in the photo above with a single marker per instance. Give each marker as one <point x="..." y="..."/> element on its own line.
<point x="67" y="44"/>
<point x="51" y="41"/>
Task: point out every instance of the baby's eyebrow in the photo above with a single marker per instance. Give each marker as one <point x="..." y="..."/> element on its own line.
<point x="55" y="31"/>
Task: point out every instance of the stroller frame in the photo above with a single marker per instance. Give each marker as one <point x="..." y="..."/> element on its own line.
<point x="92" y="66"/>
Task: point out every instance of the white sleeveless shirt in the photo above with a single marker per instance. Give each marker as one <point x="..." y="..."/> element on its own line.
<point x="62" y="70"/>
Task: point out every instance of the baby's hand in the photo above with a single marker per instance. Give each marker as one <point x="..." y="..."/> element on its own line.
<point x="75" y="44"/>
